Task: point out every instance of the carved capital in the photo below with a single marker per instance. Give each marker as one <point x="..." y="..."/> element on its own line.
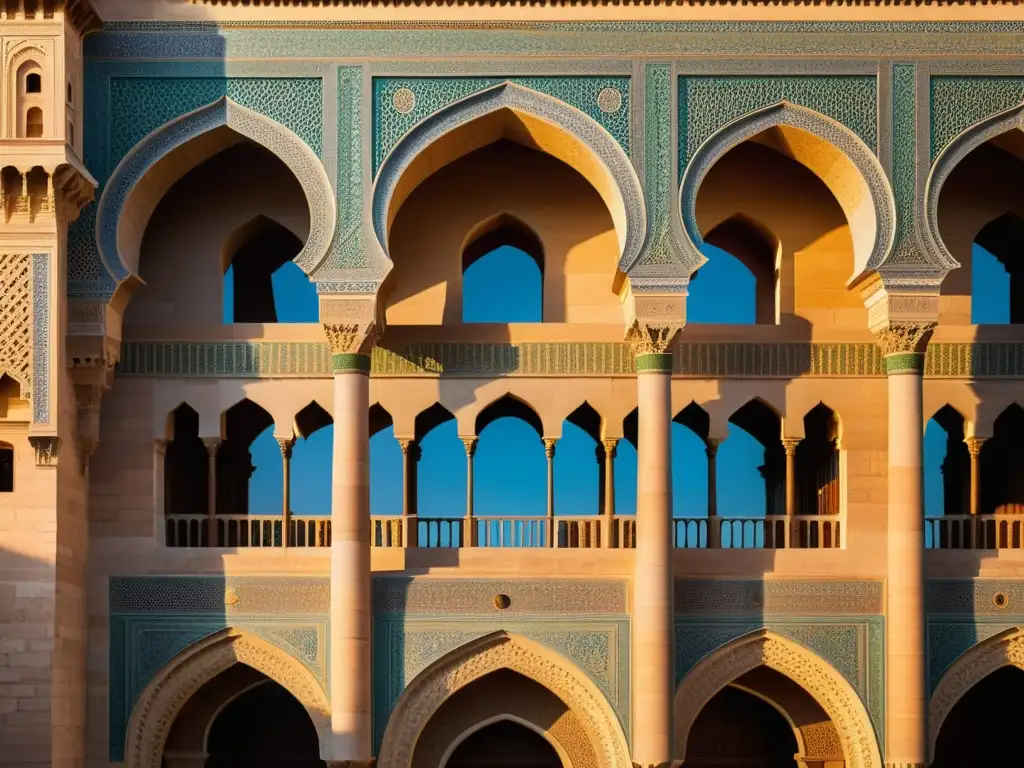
<point x="47" y="448"/>
<point x="974" y="445"/>
<point x="790" y="444"/>
<point x="611" y="446"/>
<point x="650" y="339"/>
<point x="212" y="445"/>
<point x="469" y="443"/>
<point x="711" y="446"/>
<point x="549" y="447"/>
<point x="351" y="323"/>
<point x="904" y="338"/>
<point x="286" y="444"/>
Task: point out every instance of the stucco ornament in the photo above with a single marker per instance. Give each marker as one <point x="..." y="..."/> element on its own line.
<point x="948" y="159"/>
<point x="432" y="687"/>
<point x="128" y="201"/>
<point x="163" y="698"/>
<point x="622" y="191"/>
<point x="819" y="678"/>
<point x="863" y="190"/>
<point x="1004" y="650"/>
<point x="903" y="338"/>
<point x="16" y="319"/>
<point x="351" y="323"/>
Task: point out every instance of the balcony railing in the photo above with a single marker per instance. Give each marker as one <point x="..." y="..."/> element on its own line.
<point x="562" y="532"/>
<point x="974" y="532"/>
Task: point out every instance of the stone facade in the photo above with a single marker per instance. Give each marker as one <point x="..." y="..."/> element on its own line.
<point x="851" y="157"/>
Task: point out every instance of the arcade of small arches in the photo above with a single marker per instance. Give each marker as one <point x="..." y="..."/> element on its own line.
<point x="212" y="488"/>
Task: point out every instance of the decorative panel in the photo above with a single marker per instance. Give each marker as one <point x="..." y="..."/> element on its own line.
<point x="399" y="103"/>
<point x="958" y="102"/>
<point x="41" y="341"/>
<point x="154" y="618"/>
<point x="559" y="597"/>
<point x="840" y="621"/>
<point x="707" y="103"/>
<point x="16" y="319"/>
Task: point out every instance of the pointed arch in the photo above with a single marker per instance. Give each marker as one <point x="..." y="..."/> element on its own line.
<point x="848" y="168"/>
<point x="502" y="650"/>
<point x="171" y="687"/>
<point x="1003" y="650"/>
<point x="825" y="684"/>
<point x="948" y="159"/>
<point x="558" y="129"/>
<point x="134" y="190"/>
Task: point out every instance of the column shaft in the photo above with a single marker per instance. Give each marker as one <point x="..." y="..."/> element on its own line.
<point x="286" y="495"/>
<point x="714" y="525"/>
<point x="549" y="455"/>
<point x="469" y="532"/>
<point x="906" y="705"/>
<point x="652" y="583"/>
<point x="212" y="446"/>
<point x="610" y="449"/>
<point x="350" y="562"/>
<point x="974" y="445"/>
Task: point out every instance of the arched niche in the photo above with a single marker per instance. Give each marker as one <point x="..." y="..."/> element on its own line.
<point x="829" y="150"/>
<point x="824" y="684"/>
<point x="518" y="130"/>
<point x="152" y="167"/>
<point x="170" y="689"/>
<point x="973" y="198"/>
<point x="1003" y="650"/>
<point x="500" y="651"/>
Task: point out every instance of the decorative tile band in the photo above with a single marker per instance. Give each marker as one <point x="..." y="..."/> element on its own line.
<point x="906" y="362"/>
<point x="219" y="595"/>
<point x="40" y="338"/>
<point x="707" y="597"/>
<point x="350" y="363"/>
<point x="476" y="597"/>
<point x="256" y="359"/>
<point x="974" y="597"/>
<point x="654" y="363"/>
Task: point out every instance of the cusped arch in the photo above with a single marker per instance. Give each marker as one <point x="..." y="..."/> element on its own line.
<point x="1003" y="650"/>
<point x="825" y="684"/>
<point x="133" y="192"/>
<point x="582" y="143"/>
<point x="171" y="687"/>
<point x="476" y="728"/>
<point x="851" y="171"/>
<point x="947" y="161"/>
<point x="501" y="650"/>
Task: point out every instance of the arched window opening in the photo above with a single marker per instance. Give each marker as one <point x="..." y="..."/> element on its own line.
<point x="186" y="479"/>
<point x="510" y="475"/>
<point x="385" y="464"/>
<point x="752" y="478"/>
<point x="738" y="728"/>
<point x="503" y="273"/>
<point x="739" y="282"/>
<point x="247" y="213"/>
<point x="504" y="743"/>
<point x="33" y="83"/>
<point x="264" y="727"/>
<point x="6" y="468"/>
<point x="10" y="395"/>
<point x="437" y="466"/>
<point x="261" y="282"/>
<point x="70" y="95"/>
<point x="34" y="123"/>
<point x="981" y="729"/>
<point x="1002" y="466"/>
<point x="579" y="464"/>
<point x="764" y="203"/>
<point x="979" y="216"/>
<point x="997" y="272"/>
<point x="947" y="478"/>
<point x="505" y="168"/>
<point x="817" y="464"/>
<point x="250" y="478"/>
<point x="310" y="469"/>
<point x="692" y="497"/>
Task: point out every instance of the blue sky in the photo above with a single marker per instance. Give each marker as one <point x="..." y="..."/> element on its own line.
<point x="505" y="286"/>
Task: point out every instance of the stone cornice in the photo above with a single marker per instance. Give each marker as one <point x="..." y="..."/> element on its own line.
<point x="80" y="13"/>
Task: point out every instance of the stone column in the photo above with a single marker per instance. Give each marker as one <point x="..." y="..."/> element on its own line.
<point x="350" y="561"/>
<point x="410" y="457"/>
<point x="469" y="529"/>
<point x="974" y="446"/>
<point x="212" y="446"/>
<point x="792" y="534"/>
<point x="653" y="678"/>
<point x="906" y="704"/>
<point x="610" y="450"/>
<point x="714" y="530"/>
<point x="286" y="444"/>
<point x="549" y="455"/>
